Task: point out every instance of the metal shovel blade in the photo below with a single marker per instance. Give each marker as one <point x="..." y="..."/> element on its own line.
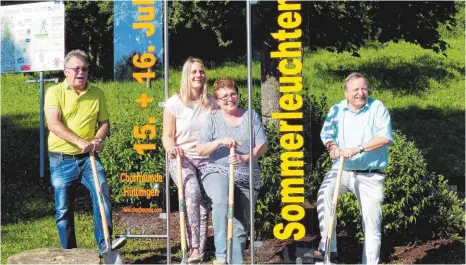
<point x="111" y="256"/>
<point x="184" y="257"/>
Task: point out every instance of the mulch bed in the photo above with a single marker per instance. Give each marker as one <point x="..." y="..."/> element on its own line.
<point x="272" y="251"/>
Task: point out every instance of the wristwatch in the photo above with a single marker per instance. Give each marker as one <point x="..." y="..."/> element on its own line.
<point x="361" y="148"/>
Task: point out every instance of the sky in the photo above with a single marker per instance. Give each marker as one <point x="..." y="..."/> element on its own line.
<point x="127" y="39"/>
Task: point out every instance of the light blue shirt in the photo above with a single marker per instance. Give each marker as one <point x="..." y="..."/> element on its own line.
<point x="350" y="129"/>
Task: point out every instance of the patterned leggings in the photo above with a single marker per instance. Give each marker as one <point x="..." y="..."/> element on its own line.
<point x="196" y="207"/>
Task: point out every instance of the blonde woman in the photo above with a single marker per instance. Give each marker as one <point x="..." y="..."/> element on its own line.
<point x="183" y="117"/>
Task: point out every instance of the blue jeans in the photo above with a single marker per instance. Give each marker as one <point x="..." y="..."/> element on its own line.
<point x="66" y="175"/>
<point x="216" y="187"/>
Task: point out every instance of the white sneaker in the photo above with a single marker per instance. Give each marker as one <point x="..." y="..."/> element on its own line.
<point x="219" y="262"/>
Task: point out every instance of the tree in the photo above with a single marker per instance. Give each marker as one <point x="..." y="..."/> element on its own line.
<point x="334" y="26"/>
<point x="218" y="30"/>
<point x="89" y="26"/>
<point x="212" y="30"/>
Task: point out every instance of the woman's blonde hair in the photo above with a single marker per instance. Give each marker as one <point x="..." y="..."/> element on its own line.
<point x="185" y="89"/>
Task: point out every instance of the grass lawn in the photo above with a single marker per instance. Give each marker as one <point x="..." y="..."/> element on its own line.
<point x="423" y="91"/>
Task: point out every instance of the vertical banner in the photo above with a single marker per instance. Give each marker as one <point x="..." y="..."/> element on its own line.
<point x="137" y="57"/>
<point x="288" y="55"/>
<point x="137" y="30"/>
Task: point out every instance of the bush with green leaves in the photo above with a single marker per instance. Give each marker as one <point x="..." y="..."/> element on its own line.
<point x="414" y="197"/>
<point x="268" y="206"/>
<point x="412" y="194"/>
<point x="119" y="156"/>
<point x="444" y="212"/>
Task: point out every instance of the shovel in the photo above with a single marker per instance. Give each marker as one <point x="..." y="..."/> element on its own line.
<point x="184" y="252"/>
<point x="231" y="204"/>
<point x="110" y="256"/>
<point x="331" y="222"/>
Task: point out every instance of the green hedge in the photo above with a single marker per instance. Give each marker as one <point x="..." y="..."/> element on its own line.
<point x="118" y="155"/>
<point x="411" y="192"/>
<point x="417" y="202"/>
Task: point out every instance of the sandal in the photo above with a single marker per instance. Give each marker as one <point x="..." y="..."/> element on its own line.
<point x="194" y="259"/>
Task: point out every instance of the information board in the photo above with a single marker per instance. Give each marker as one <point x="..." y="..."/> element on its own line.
<point x="32" y="37"/>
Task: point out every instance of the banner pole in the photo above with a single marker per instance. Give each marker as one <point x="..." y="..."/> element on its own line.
<point x="250" y="110"/>
<point x="42" y="126"/>
<point x="167" y="176"/>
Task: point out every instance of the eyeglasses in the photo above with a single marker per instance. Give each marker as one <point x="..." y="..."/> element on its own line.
<point x="76" y="70"/>
<point x="232" y="96"/>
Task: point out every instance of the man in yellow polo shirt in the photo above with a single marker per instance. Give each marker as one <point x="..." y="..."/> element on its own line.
<point x="78" y="121"/>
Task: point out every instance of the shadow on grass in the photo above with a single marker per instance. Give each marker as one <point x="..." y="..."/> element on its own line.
<point x="25" y="195"/>
<point x="440" y="134"/>
<point x="402" y="77"/>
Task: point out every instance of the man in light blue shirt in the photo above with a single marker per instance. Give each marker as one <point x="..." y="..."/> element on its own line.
<point x="358" y="128"/>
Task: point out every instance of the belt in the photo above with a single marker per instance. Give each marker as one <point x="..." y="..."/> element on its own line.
<point x="378" y="171"/>
<point x="74" y="157"/>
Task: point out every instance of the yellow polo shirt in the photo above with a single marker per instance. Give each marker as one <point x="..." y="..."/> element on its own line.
<point x="79" y="113"/>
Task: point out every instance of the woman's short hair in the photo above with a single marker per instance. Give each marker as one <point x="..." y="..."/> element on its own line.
<point x="185" y="89"/>
<point x="223" y="82"/>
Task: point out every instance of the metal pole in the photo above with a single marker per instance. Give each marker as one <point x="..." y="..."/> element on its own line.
<point x="250" y="110"/>
<point x="144" y="236"/>
<point x="167" y="176"/>
<point x="41" y="121"/>
<point x="41" y="118"/>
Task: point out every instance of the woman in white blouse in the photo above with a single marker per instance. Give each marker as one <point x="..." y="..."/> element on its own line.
<point x="183" y="117"/>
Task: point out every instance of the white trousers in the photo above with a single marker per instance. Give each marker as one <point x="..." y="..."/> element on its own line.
<point x="368" y="188"/>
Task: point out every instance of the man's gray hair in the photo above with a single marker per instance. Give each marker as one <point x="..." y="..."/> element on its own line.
<point x="77" y="53"/>
<point x="355" y="75"/>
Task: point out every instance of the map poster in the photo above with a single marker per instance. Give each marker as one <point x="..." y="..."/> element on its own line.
<point x="32" y="37"/>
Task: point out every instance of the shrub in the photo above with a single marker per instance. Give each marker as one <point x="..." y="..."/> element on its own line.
<point x="268" y="206"/>
<point x="444" y="212"/>
<point x="118" y="156"/>
<point x="412" y="196"/>
<point x="447" y="31"/>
